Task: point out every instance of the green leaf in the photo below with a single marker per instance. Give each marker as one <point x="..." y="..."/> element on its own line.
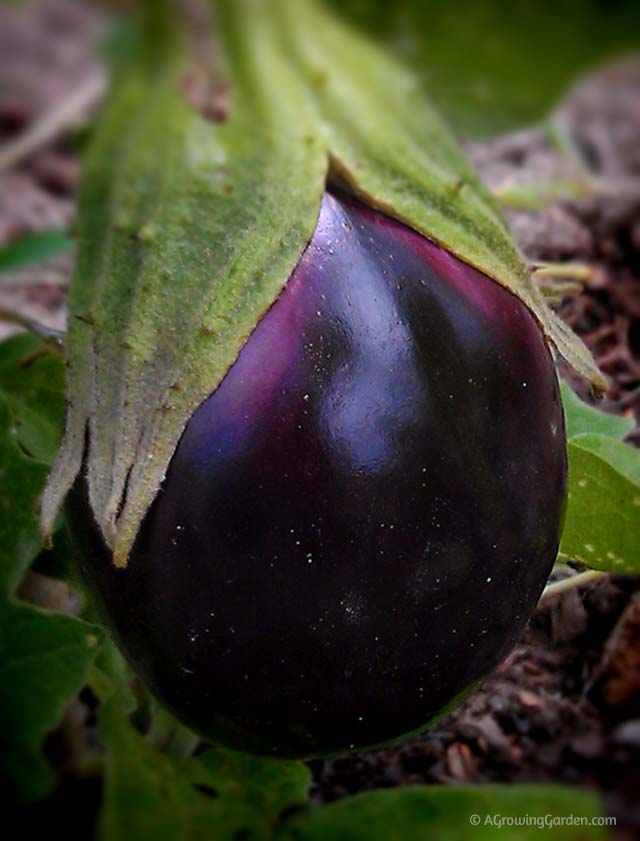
<point x="44" y="661"/>
<point x="623" y="457"/>
<point x="34" y="392"/>
<point x="582" y="418"/>
<point x="492" y="66"/>
<point x="34" y="248"/>
<point x="143" y="796"/>
<point x="602" y="527"/>
<point x="456" y="813"/>
<point x="44" y="657"/>
<point x="189" y="229"/>
<point x="150" y="795"/>
<point x="22" y="481"/>
<point x="111" y="675"/>
<point x="252" y="793"/>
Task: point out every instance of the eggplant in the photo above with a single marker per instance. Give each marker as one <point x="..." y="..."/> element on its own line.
<point x="357" y="523"/>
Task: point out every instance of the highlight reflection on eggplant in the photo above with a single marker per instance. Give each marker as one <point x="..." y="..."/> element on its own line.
<point x="357" y="523"/>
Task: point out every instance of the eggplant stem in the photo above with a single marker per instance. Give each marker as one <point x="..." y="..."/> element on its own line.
<point x="566" y="584"/>
<point x="53" y="339"/>
<point x="54" y="122"/>
<point x="575" y="271"/>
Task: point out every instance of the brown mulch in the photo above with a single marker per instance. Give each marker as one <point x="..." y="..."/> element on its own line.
<point x="47" y="49"/>
<point x="565" y="706"/>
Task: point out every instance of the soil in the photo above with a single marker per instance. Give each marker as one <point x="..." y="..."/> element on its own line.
<point x="565" y="706"/>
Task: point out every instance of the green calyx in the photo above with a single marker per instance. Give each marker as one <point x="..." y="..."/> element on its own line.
<point x="190" y="225"/>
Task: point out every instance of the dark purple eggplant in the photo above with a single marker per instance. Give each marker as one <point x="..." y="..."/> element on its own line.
<point x="358" y="522"/>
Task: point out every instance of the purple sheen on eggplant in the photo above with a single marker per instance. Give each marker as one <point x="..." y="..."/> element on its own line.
<point x="358" y="522"/>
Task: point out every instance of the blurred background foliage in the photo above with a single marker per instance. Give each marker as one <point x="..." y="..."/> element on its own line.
<point x="490" y="65"/>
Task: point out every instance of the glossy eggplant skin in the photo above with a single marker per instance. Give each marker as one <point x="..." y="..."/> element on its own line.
<point x="358" y="522"/>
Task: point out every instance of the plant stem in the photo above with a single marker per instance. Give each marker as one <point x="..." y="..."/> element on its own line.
<point x="541" y="195"/>
<point x="169" y="735"/>
<point x="54" y="339"/>
<point x="57" y="120"/>
<point x="559" y="587"/>
<point x="576" y="271"/>
<point x="182" y="743"/>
